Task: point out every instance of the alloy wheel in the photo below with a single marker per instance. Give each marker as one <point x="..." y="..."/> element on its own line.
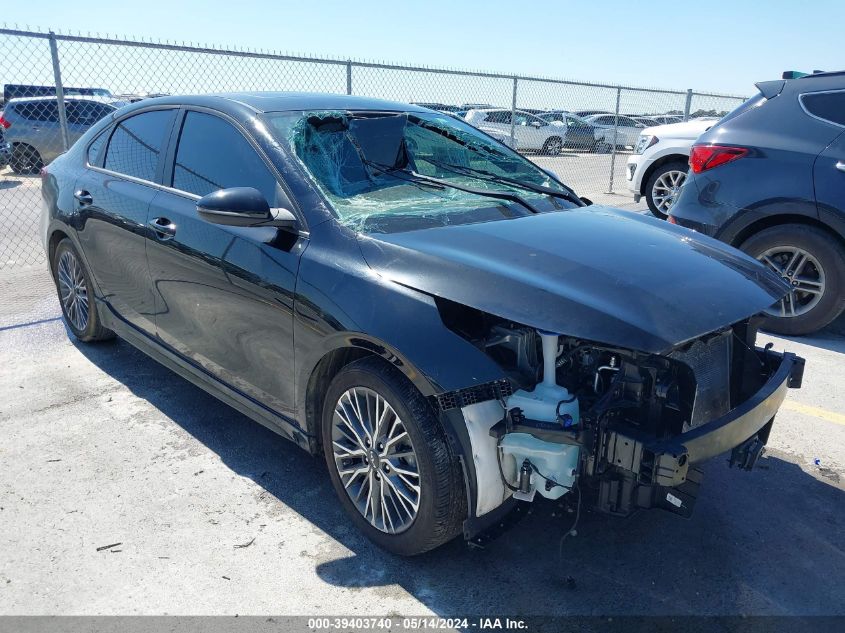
<point x="375" y="459"/>
<point x="800" y="270"/>
<point x="666" y="189"/>
<point x="73" y="290"/>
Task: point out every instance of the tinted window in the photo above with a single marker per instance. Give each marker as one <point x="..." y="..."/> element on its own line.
<point x="86" y="112"/>
<point x="213" y="155"/>
<point x="502" y="116"/>
<point x="605" y="120"/>
<point x="47" y="111"/>
<point x="829" y="106"/>
<point x="137" y="142"/>
<point x="95" y="147"/>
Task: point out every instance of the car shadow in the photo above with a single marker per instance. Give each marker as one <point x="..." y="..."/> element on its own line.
<point x="771" y="541"/>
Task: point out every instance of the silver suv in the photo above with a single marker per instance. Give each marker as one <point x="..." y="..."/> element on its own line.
<point x="31" y="127"/>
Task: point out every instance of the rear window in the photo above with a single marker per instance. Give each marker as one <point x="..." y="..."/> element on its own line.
<point x="47" y="111"/>
<point x="829" y="106"/>
<point x="136" y="144"/>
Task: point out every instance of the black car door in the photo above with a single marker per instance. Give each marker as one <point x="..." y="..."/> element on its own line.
<point x="224" y="295"/>
<point x="113" y="197"/>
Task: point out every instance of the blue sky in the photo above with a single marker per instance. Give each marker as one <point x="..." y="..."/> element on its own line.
<point x="718" y="46"/>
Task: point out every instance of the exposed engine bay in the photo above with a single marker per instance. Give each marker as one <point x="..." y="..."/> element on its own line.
<point x="606" y="421"/>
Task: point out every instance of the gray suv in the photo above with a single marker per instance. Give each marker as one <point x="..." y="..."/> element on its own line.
<point x="31" y="127"/>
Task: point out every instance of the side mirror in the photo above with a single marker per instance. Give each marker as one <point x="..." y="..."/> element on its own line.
<point x="243" y="206"/>
<point x="536" y="124"/>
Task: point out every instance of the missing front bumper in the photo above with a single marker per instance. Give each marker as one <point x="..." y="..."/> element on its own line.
<point x="744" y="430"/>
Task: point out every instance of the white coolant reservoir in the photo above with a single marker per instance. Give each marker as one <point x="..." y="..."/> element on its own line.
<point x="553" y="466"/>
<point x="548" y="401"/>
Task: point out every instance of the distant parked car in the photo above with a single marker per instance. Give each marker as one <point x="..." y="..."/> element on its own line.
<point x="530" y="132"/>
<point x="658" y="167"/>
<point x="32" y="132"/>
<point x="770" y="179"/>
<point x="627" y="131"/>
<point x="666" y="119"/>
<point x="580" y="135"/>
<point x="646" y="121"/>
<point x="585" y="113"/>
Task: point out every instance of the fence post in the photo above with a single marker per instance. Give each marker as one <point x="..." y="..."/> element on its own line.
<point x="615" y="133"/>
<point x="349" y="76"/>
<point x="513" y="114"/>
<point x="688" y="104"/>
<point x="60" y="90"/>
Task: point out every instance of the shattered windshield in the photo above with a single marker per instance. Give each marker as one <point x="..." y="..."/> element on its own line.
<point x="389" y="171"/>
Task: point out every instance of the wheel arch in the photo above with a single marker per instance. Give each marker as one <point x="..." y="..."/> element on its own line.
<point x="348" y="349"/>
<point x="657" y="164"/>
<point x="770" y="221"/>
<point x="56" y="236"/>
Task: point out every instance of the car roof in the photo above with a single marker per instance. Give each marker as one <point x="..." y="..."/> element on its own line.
<point x="281" y="102"/>
<point x="98" y="99"/>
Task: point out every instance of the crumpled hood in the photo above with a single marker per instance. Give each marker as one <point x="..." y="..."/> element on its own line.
<point x="595" y="273"/>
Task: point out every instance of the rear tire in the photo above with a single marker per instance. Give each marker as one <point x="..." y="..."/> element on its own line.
<point x="821" y="271"/>
<point x="76" y="296"/>
<point x="25" y="160"/>
<point x="376" y="465"/>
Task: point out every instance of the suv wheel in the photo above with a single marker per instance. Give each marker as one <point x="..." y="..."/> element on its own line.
<point x="813" y="263"/>
<point x="75" y="295"/>
<point x="389" y="459"/>
<point x="664" y="186"/>
<point x="25" y="160"/>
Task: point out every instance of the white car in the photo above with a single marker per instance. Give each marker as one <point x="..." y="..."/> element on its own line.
<point x="658" y="167"/>
<point x="530" y="132"/>
<point x="626" y="134"/>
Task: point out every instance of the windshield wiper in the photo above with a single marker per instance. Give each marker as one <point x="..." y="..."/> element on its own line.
<point x="413" y="176"/>
<point x="504" y="180"/>
<point x="569" y="194"/>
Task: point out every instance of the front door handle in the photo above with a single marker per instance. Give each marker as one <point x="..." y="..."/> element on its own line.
<point x="163" y="228"/>
<point x="840" y="165"/>
<point x="83" y="198"/>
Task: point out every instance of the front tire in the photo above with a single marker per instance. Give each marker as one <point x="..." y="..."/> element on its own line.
<point x="813" y="263"/>
<point x="553" y="146"/>
<point x="389" y="460"/>
<point x="664" y="186"/>
<point x="76" y="296"/>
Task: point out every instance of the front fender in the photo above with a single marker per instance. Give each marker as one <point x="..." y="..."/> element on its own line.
<point x="341" y="303"/>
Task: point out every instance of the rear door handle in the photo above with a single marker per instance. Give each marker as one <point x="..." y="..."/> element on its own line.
<point x="83" y="197"/>
<point x="840" y="165"/>
<point x="163" y="228"/>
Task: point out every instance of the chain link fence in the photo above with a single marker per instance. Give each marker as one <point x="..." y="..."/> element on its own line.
<point x="64" y="83"/>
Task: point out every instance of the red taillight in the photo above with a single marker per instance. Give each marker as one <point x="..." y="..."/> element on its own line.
<point x="6" y="125"/>
<point x="671" y="219"/>
<point x="704" y="157"/>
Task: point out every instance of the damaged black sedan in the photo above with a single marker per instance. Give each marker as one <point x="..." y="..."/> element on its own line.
<point x="449" y="325"/>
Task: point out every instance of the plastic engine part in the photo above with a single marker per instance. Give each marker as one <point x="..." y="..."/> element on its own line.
<point x="553" y="465"/>
<point x="548" y="402"/>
